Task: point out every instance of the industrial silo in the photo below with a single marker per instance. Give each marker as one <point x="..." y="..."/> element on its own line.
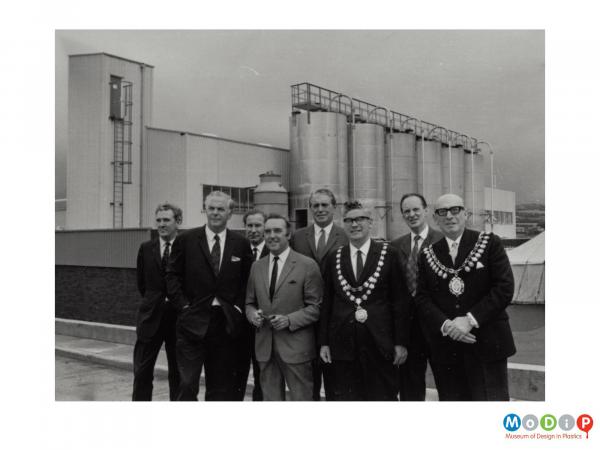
<point x="318" y="142"/>
<point x="474" y="193"/>
<point x="453" y="179"/>
<point x="429" y="171"/>
<point x="401" y="166"/>
<point x="367" y="172"/>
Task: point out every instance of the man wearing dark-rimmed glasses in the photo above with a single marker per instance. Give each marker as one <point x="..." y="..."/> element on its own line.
<point x="363" y="330"/>
<point x="465" y="284"/>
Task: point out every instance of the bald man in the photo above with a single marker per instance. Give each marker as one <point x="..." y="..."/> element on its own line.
<point x="465" y="284"/>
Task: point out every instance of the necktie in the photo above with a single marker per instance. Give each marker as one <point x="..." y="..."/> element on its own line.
<point x="215" y="255"/>
<point x="412" y="267"/>
<point x="359" y="264"/>
<point x="321" y="244"/>
<point x="454" y="251"/>
<point x="165" y="257"/>
<point x="273" y="278"/>
<point x="255" y="253"/>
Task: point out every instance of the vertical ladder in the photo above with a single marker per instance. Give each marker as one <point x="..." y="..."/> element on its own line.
<point x="121" y="163"/>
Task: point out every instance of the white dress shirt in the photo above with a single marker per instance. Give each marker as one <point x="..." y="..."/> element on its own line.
<point x="423" y="234"/>
<point x="450" y="242"/>
<point x="163" y="244"/>
<point x="318" y="233"/>
<point x="282" y="258"/>
<point x="469" y="315"/>
<point x="210" y="238"/>
<point x="364" y="250"/>
<point x="259" y="249"/>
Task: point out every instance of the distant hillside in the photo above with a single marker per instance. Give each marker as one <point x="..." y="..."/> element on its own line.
<point x="531" y="207"/>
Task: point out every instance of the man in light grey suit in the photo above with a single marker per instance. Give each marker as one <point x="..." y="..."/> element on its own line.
<point x="282" y="302"/>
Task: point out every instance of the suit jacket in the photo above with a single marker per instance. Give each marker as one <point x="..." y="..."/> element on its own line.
<point x="303" y="241"/>
<point x="263" y="253"/>
<point x="153" y="288"/>
<point x="191" y="280"/>
<point x="488" y="291"/>
<point x="387" y="306"/>
<point x="298" y="295"/>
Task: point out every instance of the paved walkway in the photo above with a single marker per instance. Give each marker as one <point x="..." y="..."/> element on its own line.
<point x="89" y="369"/>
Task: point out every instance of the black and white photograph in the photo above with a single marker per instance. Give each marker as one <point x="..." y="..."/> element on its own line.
<point x="154" y="125"/>
<point x="345" y="222"/>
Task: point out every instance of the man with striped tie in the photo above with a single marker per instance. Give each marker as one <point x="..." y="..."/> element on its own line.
<point x="414" y="212"/>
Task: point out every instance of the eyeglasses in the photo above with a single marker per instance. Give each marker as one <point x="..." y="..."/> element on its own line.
<point x="359" y="219"/>
<point x="443" y="212"/>
<point x="322" y="205"/>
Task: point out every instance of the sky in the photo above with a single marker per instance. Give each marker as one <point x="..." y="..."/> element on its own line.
<point x="236" y="84"/>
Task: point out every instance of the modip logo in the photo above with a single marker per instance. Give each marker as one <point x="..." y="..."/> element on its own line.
<point x="512" y="422"/>
<point x="585" y="423"/>
<point x="547" y="427"/>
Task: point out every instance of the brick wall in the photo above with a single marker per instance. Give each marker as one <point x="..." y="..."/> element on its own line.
<point x="96" y="294"/>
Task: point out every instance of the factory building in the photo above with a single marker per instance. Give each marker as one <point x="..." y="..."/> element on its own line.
<point x="120" y="166"/>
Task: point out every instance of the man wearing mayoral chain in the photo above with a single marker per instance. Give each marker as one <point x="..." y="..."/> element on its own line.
<point x="364" y="326"/>
<point x="465" y="284"/>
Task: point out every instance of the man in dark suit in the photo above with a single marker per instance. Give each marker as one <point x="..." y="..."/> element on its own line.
<point x="254" y="222"/>
<point x="206" y="280"/>
<point x="282" y="302"/>
<point x="156" y="315"/>
<point x="465" y="284"/>
<point x="316" y="241"/>
<point x="412" y="373"/>
<point x="364" y="325"/>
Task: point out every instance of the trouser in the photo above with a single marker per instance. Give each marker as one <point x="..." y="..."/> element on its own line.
<point x="469" y="378"/>
<point x="412" y="372"/>
<point x="369" y="376"/>
<point x="276" y="373"/>
<point x="145" y="353"/>
<point x="216" y="353"/>
<point x="244" y="345"/>
<point x="257" y="394"/>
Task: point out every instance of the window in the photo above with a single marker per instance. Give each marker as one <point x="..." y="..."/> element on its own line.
<point x="115" y="97"/>
<point x="500" y="217"/>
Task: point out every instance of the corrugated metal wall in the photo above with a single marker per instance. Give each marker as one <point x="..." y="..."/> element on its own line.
<point x="99" y="248"/>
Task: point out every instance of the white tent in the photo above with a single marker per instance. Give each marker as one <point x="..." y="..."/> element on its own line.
<point x="528" y="265"/>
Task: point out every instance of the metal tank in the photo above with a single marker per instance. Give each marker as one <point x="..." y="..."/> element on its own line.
<point x="401" y="171"/>
<point x="270" y="196"/>
<point x="453" y="181"/>
<point x="367" y="172"/>
<point x="319" y="159"/>
<point x="429" y="172"/>
<point x="474" y="170"/>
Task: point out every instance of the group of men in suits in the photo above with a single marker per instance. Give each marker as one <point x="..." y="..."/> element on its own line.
<point x="327" y="303"/>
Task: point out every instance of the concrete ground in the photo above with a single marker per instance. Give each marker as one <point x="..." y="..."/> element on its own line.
<point x="88" y="381"/>
<point x="94" y="361"/>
